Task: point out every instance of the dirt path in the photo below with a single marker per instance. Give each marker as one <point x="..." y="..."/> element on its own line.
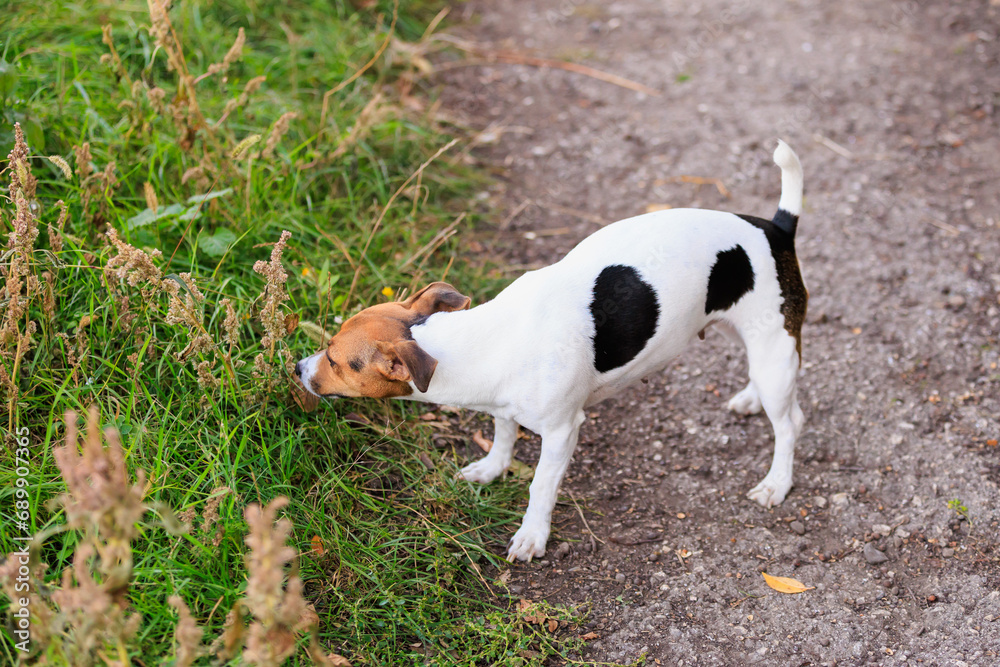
<point x="901" y="387"/>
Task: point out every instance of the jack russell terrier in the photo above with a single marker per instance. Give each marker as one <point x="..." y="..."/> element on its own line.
<point x="620" y="306"/>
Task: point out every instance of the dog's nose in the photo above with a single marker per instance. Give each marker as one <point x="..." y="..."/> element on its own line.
<point x="298" y="369"/>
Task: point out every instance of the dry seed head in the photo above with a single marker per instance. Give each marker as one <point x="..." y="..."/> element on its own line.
<point x="271" y="317"/>
<point x="252" y="86"/>
<point x="278" y="610"/>
<point x="234" y="54"/>
<point x="187" y="634"/>
<point x="99" y="494"/>
<point x="206" y="380"/>
<point x="156" y="95"/>
<point x="55" y="232"/>
<point x="230" y="325"/>
<point x="150" y="194"/>
<point x="63" y="166"/>
<point x="132" y="265"/>
<point x="82" y="157"/>
<point x="241" y="148"/>
<point x="278" y="130"/>
<point x="20" y="171"/>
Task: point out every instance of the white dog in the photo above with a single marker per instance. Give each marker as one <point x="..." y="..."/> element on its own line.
<point x="618" y="307"/>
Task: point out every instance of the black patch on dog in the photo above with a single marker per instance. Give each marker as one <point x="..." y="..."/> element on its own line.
<point x="625" y="313"/>
<point x="356" y="365"/>
<point x="731" y="278"/>
<point x="794" y="295"/>
<point x="785" y="221"/>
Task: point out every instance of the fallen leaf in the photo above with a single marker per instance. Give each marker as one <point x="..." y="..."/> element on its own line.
<point x="992" y="442"/>
<point x="484" y="444"/>
<point x="786" y="584"/>
<point x="316" y="543"/>
<point x="504" y="577"/>
<point x="426" y="460"/>
<point x="85" y="322"/>
<point x="525" y="606"/>
<point x="428" y="417"/>
<point x="521" y="470"/>
<point x="291" y="322"/>
<point x="553" y="625"/>
<point x="590" y="635"/>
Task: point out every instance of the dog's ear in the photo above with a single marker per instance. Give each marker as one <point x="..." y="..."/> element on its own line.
<point x="403" y="361"/>
<point x="437" y="297"/>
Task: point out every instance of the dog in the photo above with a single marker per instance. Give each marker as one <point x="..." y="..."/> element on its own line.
<point x="619" y="306"/>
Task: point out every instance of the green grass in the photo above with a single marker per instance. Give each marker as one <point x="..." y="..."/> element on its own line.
<point x="392" y="553"/>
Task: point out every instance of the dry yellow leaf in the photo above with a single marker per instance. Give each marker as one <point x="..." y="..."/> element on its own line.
<point x="786" y="584"/>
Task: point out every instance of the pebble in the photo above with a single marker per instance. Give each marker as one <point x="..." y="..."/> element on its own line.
<point x="881" y="529"/>
<point x="561" y="551"/>
<point x="620" y="577"/>
<point x="947" y="552"/>
<point x="873" y="555"/>
<point x="798" y="527"/>
<point x="657" y="578"/>
<point x="824" y="641"/>
<point x="819" y="501"/>
<point x="840" y="499"/>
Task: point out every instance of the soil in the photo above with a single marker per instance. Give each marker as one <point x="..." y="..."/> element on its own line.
<point x="892" y="108"/>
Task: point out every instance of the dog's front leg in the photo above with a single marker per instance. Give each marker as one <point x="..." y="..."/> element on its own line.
<point x="491" y="466"/>
<point x="557" y="449"/>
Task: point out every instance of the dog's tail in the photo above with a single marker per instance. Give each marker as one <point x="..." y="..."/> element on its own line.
<point x="790" y="204"/>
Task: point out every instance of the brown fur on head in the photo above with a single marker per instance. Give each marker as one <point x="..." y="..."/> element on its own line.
<point x="374" y="354"/>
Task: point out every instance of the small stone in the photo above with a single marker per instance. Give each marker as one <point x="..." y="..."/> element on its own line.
<point x="881" y="529"/>
<point x="824" y="641"/>
<point x="653" y="557"/>
<point x="620" y="578"/>
<point x="839" y="501"/>
<point x="798" y="527"/>
<point x="947" y="552"/>
<point x="657" y="578"/>
<point x="516" y="589"/>
<point x="561" y="551"/>
<point x="819" y="501"/>
<point x="873" y="555"/>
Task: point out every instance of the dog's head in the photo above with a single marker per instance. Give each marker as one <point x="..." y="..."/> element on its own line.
<point x="374" y="354"/>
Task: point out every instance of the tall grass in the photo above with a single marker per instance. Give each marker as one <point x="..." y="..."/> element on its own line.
<point x="202" y="191"/>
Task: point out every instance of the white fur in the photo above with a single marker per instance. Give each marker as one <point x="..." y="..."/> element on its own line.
<point x="527" y="356"/>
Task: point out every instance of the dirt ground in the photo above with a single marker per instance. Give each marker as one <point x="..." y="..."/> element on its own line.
<point x="892" y="108"/>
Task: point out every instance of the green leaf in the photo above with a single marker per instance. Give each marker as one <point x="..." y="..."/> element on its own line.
<point x="9" y="78"/>
<point x="218" y="243"/>
<point x="147" y="216"/>
<point x="199" y="199"/>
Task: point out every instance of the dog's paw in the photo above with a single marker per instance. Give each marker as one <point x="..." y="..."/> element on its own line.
<point x="771" y="491"/>
<point x="483" y="471"/>
<point x="528" y="542"/>
<point x="747" y="402"/>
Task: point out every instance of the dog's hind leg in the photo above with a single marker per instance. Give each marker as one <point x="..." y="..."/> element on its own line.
<point x="774" y="365"/>
<point x="497" y="460"/>
<point x="747" y="401"/>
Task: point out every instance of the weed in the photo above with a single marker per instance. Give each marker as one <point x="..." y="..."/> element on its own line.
<point x="961" y="510"/>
